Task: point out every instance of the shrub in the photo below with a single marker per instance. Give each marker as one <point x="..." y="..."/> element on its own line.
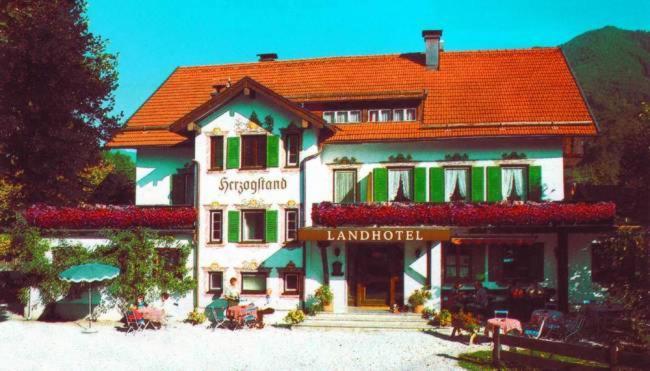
<point x="443" y="318"/>
<point x="195" y="317"/>
<point x="294" y="317"/>
<point x="429" y="313"/>
<point x="420" y="296"/>
<point x="466" y="321"/>
<point x="324" y="295"/>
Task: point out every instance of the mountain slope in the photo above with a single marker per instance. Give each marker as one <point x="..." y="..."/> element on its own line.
<point x="613" y="68"/>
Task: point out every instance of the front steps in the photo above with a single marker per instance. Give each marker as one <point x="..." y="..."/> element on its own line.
<point x="365" y="321"/>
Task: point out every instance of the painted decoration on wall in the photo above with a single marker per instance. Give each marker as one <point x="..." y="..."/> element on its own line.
<point x="514" y="156"/>
<point x="345" y="160"/>
<point x="456" y="157"/>
<point x="400" y="157"/>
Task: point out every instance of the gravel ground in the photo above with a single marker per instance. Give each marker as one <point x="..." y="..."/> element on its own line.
<point x="61" y="346"/>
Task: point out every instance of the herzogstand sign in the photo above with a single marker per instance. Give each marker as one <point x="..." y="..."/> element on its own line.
<point x="252" y="185"/>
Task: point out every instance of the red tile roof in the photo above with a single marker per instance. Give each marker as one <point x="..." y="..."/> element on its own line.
<point x="472" y="87"/>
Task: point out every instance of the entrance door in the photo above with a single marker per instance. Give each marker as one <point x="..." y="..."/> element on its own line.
<point x="377" y="272"/>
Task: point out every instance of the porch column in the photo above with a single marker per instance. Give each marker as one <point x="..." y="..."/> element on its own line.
<point x="434" y="276"/>
<point x="562" y="255"/>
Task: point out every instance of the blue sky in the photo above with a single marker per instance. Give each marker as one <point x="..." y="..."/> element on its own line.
<point x="152" y="37"/>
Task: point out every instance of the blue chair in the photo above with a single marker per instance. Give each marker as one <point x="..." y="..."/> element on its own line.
<point x="218" y="310"/>
<point x="534" y="330"/>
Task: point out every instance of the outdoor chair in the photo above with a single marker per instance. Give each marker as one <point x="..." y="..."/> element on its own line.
<point x="573" y="326"/>
<point x="218" y="310"/>
<point x="501" y="313"/>
<point x="134" y="321"/>
<point x="535" y="330"/>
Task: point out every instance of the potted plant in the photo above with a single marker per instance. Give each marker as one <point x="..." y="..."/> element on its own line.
<point x="465" y="322"/>
<point x="418" y="298"/>
<point x="294" y="317"/>
<point x="428" y="313"/>
<point x="443" y="318"/>
<point x="324" y="296"/>
<point x="195" y="317"/>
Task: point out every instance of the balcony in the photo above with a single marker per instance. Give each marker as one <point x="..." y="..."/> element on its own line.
<point x="111" y="217"/>
<point x="464" y="214"/>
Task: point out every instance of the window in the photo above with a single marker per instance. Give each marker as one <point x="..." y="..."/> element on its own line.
<point x="456" y="184"/>
<point x="380" y="115"/>
<point x="508" y="263"/>
<point x="170" y="259"/>
<point x="291" y="283"/>
<point x="216" y="226"/>
<point x="404" y="114"/>
<point x="400" y="184"/>
<point x="292" y="149"/>
<point x="253" y="151"/>
<point x="216" y="153"/>
<point x="342" y="117"/>
<point x="253" y="225"/>
<point x="458" y="264"/>
<point x="514" y="183"/>
<point x="182" y="192"/>
<point x="215" y="282"/>
<point x="291" y="225"/>
<point x="345" y="190"/>
<point x="253" y="282"/>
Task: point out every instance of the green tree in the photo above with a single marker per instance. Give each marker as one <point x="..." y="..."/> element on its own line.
<point x="117" y="187"/>
<point x="56" y="98"/>
<point x="635" y="168"/>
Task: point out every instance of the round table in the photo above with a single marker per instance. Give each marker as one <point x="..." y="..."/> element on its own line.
<point x="505" y="325"/>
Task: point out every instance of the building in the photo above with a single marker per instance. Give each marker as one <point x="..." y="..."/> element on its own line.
<point x="375" y="174"/>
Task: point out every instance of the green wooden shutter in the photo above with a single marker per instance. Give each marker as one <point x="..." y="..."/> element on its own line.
<point x="478" y="184"/>
<point x="420" y="184"/>
<point x="380" y="183"/>
<point x="436" y="184"/>
<point x="535" y="183"/>
<point x="494" y="184"/>
<point x="272" y="151"/>
<point x="363" y="189"/>
<point x="232" y="154"/>
<point x="233" y="226"/>
<point x="178" y="189"/>
<point x="271" y="223"/>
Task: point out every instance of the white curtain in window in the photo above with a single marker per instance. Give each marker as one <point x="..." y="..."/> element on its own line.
<point x="394" y="178"/>
<point x="398" y="115"/>
<point x="341" y="116"/>
<point x="384" y="115"/>
<point x="455" y="178"/>
<point x="355" y="116"/>
<point x="344" y="187"/>
<point x="410" y="114"/>
<point x="328" y="117"/>
<point x="374" y="116"/>
<point x="512" y="176"/>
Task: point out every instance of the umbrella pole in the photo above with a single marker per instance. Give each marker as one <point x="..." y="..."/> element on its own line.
<point x="90" y="305"/>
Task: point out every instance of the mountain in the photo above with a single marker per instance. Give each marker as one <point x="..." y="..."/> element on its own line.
<point x="612" y="67"/>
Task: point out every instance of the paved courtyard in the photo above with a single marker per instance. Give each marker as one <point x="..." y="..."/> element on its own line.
<point x="62" y="346"/>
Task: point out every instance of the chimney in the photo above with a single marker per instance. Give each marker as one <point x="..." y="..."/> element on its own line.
<point x="267" y="57"/>
<point x="218" y="88"/>
<point x="433" y="47"/>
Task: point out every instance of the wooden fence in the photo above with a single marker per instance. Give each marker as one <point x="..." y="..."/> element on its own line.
<point x="605" y="357"/>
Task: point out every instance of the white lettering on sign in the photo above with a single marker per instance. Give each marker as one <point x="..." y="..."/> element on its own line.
<point x="259" y="184"/>
<point x="378" y="235"/>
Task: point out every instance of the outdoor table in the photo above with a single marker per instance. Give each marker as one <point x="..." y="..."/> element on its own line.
<point x="504" y="324"/>
<point x="237" y="313"/>
<point x="153" y="314"/>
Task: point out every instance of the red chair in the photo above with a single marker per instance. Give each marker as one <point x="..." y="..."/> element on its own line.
<point x="134" y="321"/>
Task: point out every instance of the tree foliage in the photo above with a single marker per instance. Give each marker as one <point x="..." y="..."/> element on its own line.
<point x="56" y="97"/>
<point x="627" y="276"/>
<point x="149" y="264"/>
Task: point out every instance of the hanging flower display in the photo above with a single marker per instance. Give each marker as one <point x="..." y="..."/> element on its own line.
<point x="461" y="214"/>
<point x="99" y="217"/>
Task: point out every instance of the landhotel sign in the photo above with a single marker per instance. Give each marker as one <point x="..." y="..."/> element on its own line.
<point x="369" y="234"/>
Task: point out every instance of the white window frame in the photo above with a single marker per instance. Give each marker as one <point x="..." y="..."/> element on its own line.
<point x="334" y="116"/>
<point x="391" y="116"/>
<point x="212" y="288"/>
<point x="288" y="291"/>
<point x="213" y="213"/>
<point x="244" y="226"/>
<point x="404" y="112"/>
<point x="286" y="225"/>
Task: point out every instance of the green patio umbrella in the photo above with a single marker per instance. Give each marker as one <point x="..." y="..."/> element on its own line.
<point x="89" y="273"/>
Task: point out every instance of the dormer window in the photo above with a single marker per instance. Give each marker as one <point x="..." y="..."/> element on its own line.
<point x="404" y="114"/>
<point x="342" y="117"/>
<point x="385" y="115"/>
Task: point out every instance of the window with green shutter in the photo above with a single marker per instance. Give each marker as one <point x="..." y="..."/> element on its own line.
<point x="494" y="184"/>
<point x="363" y="189"/>
<point x="478" y="184"/>
<point x="271" y="225"/>
<point x="272" y="151"/>
<point x="535" y="183"/>
<point x="436" y="184"/>
<point x="232" y="153"/>
<point x="420" y="184"/>
<point x="233" y="226"/>
<point x="380" y="184"/>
